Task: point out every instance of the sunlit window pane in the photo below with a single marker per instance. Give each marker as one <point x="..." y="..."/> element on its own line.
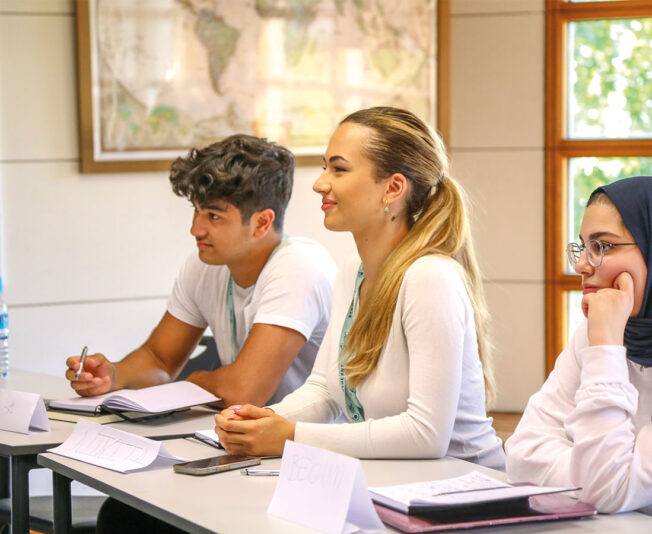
<point x="575" y="314"/>
<point x="609" y="76"/>
<point x="585" y="174"/>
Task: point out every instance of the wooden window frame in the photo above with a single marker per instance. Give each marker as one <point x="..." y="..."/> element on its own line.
<point x="559" y="150"/>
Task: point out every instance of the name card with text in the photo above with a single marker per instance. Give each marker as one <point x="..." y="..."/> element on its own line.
<point x="20" y="411"/>
<point x="323" y="490"/>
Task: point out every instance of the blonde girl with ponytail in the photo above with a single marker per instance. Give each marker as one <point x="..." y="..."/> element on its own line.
<point x="406" y="359"/>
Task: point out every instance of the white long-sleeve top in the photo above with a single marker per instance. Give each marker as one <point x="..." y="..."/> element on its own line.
<point x="589" y="426"/>
<point x="426" y="398"/>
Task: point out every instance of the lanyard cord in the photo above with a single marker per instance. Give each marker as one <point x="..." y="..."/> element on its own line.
<point x="351" y="401"/>
<point x="235" y="348"/>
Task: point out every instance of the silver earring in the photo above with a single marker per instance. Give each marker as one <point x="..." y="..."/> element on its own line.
<point x="386" y="208"/>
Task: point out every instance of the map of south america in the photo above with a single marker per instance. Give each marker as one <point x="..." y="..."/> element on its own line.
<point x="220" y="41"/>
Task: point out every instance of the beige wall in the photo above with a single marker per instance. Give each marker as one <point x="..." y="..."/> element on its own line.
<point x="89" y="259"/>
<point x="497" y="152"/>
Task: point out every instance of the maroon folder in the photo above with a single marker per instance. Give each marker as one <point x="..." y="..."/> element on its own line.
<point x="536" y="508"/>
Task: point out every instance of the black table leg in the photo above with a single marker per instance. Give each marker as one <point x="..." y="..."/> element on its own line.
<point x="62" y="506"/>
<point x="4" y="477"/>
<point x="20" y="467"/>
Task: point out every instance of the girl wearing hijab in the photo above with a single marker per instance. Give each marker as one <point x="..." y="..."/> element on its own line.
<point x="406" y="355"/>
<point x="589" y="425"/>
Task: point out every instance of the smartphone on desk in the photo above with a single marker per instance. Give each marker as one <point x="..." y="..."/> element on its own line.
<point x="217" y="464"/>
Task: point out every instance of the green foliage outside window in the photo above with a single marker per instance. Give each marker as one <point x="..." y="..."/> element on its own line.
<point x="610" y="78"/>
<point x="585" y="174"/>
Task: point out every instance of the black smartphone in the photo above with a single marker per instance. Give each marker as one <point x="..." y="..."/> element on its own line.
<point x="217" y="464"/>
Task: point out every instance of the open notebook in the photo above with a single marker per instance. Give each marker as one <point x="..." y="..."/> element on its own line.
<point x="155" y="399"/>
<point x="472" y="489"/>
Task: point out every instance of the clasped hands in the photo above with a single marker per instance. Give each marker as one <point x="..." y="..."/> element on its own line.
<point x="253" y="431"/>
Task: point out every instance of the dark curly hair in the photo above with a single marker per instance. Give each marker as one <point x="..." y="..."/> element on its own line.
<point x="248" y="172"/>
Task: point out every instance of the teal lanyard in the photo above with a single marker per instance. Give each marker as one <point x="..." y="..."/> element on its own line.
<point x="235" y="348"/>
<point x="353" y="406"/>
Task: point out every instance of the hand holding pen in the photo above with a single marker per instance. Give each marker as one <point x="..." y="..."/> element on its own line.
<point x="90" y="375"/>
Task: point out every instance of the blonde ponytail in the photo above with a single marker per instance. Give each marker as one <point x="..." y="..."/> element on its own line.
<point x="438" y="226"/>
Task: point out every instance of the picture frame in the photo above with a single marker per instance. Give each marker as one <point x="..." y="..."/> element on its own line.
<point x="147" y="71"/>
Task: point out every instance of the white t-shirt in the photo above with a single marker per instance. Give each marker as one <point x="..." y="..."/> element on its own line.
<point x="589" y="426"/>
<point x="426" y="397"/>
<point x="293" y="290"/>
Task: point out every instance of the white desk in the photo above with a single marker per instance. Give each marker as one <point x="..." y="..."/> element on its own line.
<point x="230" y="503"/>
<point x="20" y="450"/>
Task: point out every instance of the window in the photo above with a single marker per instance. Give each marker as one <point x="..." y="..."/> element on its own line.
<point x="598" y="128"/>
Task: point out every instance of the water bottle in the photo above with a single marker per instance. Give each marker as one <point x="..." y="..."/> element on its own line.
<point x="4" y="336"/>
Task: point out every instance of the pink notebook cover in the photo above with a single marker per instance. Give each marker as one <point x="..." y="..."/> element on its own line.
<point x="537" y="508"/>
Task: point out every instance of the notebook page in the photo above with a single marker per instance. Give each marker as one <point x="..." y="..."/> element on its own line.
<point x="207" y="435"/>
<point x="114" y="449"/>
<point x="163" y="398"/>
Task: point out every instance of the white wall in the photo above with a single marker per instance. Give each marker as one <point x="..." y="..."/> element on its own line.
<point x="90" y="259"/>
<point x="497" y="151"/>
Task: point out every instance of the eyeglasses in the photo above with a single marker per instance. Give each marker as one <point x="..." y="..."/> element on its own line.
<point x="594" y="251"/>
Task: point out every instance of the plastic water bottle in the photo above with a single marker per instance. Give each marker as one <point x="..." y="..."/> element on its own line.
<point x="4" y="336"/>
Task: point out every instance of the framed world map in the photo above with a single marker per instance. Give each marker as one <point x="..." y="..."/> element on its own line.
<point x="157" y="77"/>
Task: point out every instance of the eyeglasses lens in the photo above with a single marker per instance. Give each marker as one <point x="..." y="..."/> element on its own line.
<point x="574" y="252"/>
<point x="594" y="252"/>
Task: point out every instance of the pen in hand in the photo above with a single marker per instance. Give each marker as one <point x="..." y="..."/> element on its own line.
<point x="81" y="363"/>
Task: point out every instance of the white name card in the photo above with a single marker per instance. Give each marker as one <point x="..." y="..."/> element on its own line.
<point x="20" y="411"/>
<point x="323" y="490"/>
